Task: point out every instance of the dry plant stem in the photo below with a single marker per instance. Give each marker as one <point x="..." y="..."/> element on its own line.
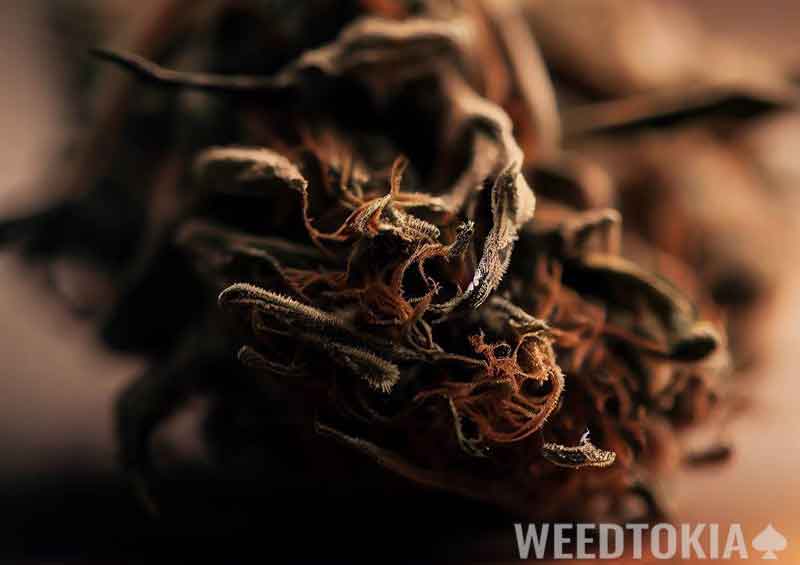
<point x="639" y="108"/>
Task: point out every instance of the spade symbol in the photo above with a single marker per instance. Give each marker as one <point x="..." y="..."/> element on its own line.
<point x="769" y="541"/>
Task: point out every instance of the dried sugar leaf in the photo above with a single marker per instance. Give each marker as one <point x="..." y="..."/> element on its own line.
<point x="515" y="316"/>
<point x="379" y="373"/>
<point x="574" y="180"/>
<point x="619" y="279"/>
<point x="225" y="255"/>
<point x="594" y="230"/>
<point x="351" y="315"/>
<point x="375" y="43"/>
<point x="699" y="343"/>
<point x="280" y="308"/>
<point x="512" y="200"/>
<point x="576" y="232"/>
<point x="254" y="359"/>
<point x="322" y="329"/>
<point x="247" y="171"/>
<point x="405" y="48"/>
<point x="585" y="454"/>
<point x="202" y="235"/>
<point x="315" y="327"/>
<point x="512" y="205"/>
<point x="484" y="154"/>
<point x="414" y="43"/>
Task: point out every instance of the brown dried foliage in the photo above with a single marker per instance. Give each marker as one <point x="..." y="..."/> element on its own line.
<point x="396" y="286"/>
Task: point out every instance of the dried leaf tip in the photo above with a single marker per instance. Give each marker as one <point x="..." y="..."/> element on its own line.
<point x="235" y="169"/>
<point x="275" y="305"/>
<point x="379" y="373"/>
<point x="585" y="454"/>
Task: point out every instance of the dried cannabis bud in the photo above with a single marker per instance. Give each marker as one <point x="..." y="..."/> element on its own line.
<point x="353" y="222"/>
